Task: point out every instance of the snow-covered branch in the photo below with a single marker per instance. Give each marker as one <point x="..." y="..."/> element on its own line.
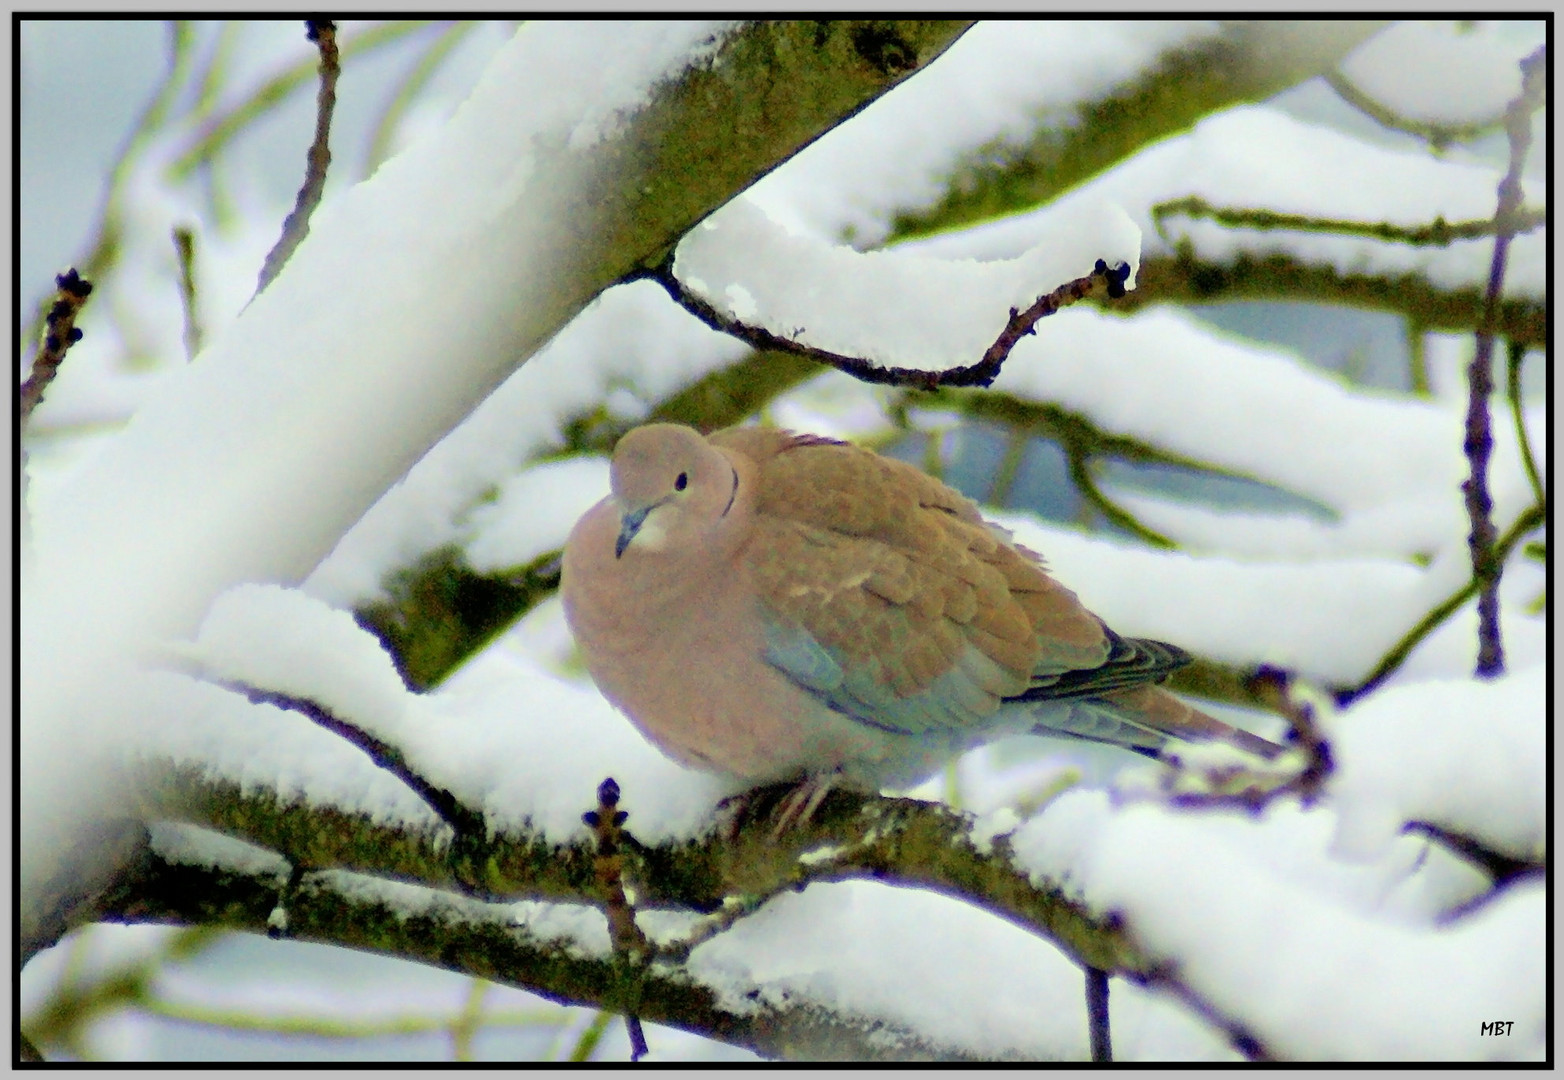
<point x="567" y="190"/>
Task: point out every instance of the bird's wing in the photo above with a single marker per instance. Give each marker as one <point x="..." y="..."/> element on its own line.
<point x="884" y="592"/>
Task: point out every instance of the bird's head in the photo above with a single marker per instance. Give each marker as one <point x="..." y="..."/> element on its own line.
<point x="673" y="488"/>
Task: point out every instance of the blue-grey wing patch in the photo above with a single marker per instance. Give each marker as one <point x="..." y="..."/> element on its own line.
<point x="953" y="701"/>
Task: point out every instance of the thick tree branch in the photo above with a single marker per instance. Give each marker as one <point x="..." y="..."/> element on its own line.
<point x="484" y="941"/>
<point x="1247" y="61"/>
<point x="893" y="841"/>
<point x="901" y="841"/>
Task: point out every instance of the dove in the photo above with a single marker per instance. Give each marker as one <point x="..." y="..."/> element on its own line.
<point x="774" y="606"/>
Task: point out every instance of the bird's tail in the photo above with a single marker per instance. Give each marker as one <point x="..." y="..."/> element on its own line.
<point x="1144" y="718"/>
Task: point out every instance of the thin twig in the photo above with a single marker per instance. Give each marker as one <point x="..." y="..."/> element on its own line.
<point x="590" y="1036"/>
<point x="1275" y="685"/>
<point x="630" y="945"/>
<point x="465" y="822"/>
<point x="62" y="332"/>
<point x="1086" y="484"/>
<point x="213" y="137"/>
<point x="1101" y="281"/>
<point x="465" y="1025"/>
<point x="734" y="908"/>
<point x="1417" y="358"/>
<point x="1497" y="865"/>
<point x="1479" y="437"/>
<point x="184" y="250"/>
<point x="323" y="32"/>
<point x="1239" y="1036"/>
<point x="1516" y="358"/>
<point x="1097" y="1014"/>
<point x="107" y="236"/>
<point x="1439" y="135"/>
<point x="1532" y="518"/>
<point x="1440" y="233"/>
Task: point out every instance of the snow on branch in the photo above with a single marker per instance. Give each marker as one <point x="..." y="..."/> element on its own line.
<point x="870" y="313"/>
<point x="250" y="465"/>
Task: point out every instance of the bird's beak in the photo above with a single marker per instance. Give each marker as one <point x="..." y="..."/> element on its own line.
<point x="630" y="524"/>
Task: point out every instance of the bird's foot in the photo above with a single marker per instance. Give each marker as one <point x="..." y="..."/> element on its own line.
<point x="799" y="805"/>
<point x="793" y="810"/>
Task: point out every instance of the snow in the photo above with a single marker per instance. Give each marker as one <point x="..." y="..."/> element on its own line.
<point x="192" y="846"/>
<point x="1255" y="944"/>
<point x="630" y="339"/>
<point x="830" y="944"/>
<point x="234" y="470"/>
<point x="1411" y="67"/>
<point x="990" y="86"/>
<point x="1467" y="756"/>
<point x="533" y="512"/>
<point x="1259" y="157"/>
<point x="507" y="738"/>
<point x="896" y="308"/>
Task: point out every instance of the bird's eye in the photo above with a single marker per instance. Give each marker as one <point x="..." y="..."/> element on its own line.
<point x="681" y="481"/>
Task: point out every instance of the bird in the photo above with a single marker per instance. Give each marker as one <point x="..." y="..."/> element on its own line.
<point x="773" y="606"/>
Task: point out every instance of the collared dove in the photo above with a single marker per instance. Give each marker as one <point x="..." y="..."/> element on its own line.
<point x="775" y="606"/>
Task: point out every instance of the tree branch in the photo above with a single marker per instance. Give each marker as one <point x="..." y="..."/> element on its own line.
<point x="71" y="293"/>
<point x="184" y="253"/>
<point x="1438" y="134"/>
<point x="1247" y="61"/>
<point x="1479" y="439"/>
<point x="1102" y="281"/>
<point x="1532" y="518"/>
<point x="1517" y="357"/>
<point x="1440" y="233"/>
<point x="1185" y="278"/>
<point x="484" y="941"/>
<point x="213" y="137"/>
<point x="323" y="32"/>
<point x="631" y="949"/>
<point x="1503" y="868"/>
<point x="889" y="840"/>
<point x="1097" y="1015"/>
<point x="465" y="823"/>
<point x="1275" y="686"/>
